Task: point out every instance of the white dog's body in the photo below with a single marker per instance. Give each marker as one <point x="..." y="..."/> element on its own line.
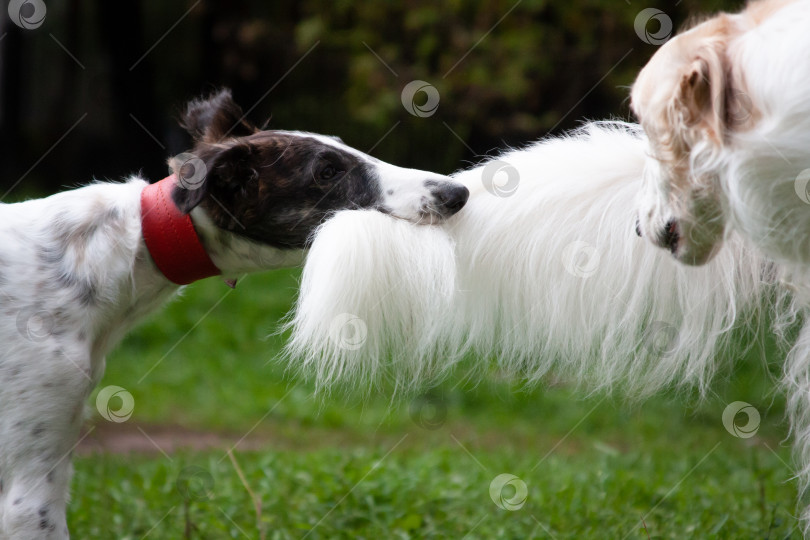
<point x="552" y="276"/>
<point x="75" y="276"/>
<point x="40" y="239"/>
<point x="550" y="280"/>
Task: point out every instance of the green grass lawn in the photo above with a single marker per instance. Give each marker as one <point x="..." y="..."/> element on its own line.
<point x="593" y="467"/>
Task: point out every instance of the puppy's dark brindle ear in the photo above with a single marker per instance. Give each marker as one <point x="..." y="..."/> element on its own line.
<point x="216" y="117"/>
<point x="215" y="123"/>
<point x="228" y="175"/>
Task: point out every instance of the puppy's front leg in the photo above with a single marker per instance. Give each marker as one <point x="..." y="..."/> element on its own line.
<point x="42" y="402"/>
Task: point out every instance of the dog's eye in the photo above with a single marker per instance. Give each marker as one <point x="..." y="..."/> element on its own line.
<point x="328" y="172"/>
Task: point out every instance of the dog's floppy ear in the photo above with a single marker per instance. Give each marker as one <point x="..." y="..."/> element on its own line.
<point x="217" y="160"/>
<point x="219" y="170"/>
<point x="699" y="101"/>
<point x="214" y="118"/>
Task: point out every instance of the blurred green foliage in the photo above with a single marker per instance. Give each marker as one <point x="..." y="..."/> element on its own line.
<point x="506" y="71"/>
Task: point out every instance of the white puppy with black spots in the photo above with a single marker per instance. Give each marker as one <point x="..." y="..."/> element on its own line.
<point x="76" y="271"/>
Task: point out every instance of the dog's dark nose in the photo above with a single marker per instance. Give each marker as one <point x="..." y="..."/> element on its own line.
<point x="450" y="197"/>
<point x="638" y="228"/>
<point x="670" y="236"/>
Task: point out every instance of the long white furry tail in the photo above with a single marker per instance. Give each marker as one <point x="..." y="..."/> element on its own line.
<point x="541" y="271"/>
<point x="373" y="289"/>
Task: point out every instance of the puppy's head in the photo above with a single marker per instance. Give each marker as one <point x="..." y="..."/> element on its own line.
<point x="275" y="187"/>
<point x="682" y="98"/>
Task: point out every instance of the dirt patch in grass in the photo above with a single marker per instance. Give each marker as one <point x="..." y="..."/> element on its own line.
<point x="131" y="437"/>
<point x="153" y="439"/>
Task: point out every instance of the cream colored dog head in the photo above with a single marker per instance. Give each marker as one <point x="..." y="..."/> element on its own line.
<point x="680" y="100"/>
<point x="691" y="98"/>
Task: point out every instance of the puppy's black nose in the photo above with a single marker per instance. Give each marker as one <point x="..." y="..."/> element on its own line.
<point x="670" y="236"/>
<point x="638" y="228"/>
<point x="450" y="197"/>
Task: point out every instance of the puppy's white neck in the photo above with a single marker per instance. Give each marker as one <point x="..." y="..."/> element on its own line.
<point x="236" y="255"/>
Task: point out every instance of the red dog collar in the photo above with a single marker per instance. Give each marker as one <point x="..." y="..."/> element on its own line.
<point x="170" y="236"/>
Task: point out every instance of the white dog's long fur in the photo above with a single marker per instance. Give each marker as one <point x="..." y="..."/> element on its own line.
<point x="550" y="279"/>
<point x="389" y="285"/>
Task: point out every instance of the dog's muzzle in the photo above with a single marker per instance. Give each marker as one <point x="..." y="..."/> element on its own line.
<point x="667" y="238"/>
<point x="448" y="197"/>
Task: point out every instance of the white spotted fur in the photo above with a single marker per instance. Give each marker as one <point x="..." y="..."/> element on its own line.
<point x="52" y="344"/>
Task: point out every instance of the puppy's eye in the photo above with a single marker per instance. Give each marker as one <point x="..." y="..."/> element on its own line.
<point x="328" y="172"/>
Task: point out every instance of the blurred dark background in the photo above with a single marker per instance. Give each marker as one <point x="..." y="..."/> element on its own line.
<point x="95" y="91"/>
